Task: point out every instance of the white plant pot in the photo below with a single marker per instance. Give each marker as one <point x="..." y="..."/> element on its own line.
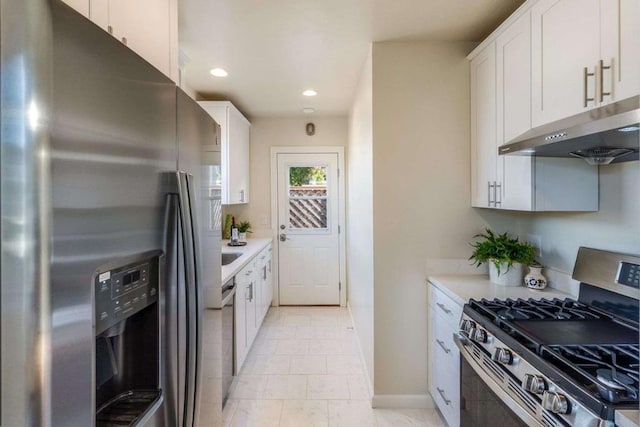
<point x="242" y="237"/>
<point x="513" y="277"/>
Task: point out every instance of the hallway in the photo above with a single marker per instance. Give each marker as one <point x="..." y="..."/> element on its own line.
<point x="304" y="370"/>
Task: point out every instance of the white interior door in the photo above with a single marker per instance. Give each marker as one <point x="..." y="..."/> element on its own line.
<point x="308" y="234"/>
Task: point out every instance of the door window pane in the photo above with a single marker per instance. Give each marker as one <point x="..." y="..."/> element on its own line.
<point x="308" y="197"/>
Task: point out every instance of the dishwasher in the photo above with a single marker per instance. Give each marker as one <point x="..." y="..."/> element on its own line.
<point x="228" y="334"/>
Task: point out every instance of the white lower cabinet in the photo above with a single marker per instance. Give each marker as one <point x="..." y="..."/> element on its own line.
<point x="254" y="292"/>
<point x="444" y="357"/>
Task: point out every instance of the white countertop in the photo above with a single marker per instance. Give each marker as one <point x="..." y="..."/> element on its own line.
<point x="463" y="287"/>
<point x="253" y="247"/>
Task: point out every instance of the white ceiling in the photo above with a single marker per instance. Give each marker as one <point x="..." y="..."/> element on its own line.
<point x="275" y="49"/>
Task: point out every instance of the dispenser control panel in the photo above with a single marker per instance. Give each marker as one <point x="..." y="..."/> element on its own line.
<point x="122" y="292"/>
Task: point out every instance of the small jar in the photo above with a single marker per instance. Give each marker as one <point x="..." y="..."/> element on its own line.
<point x="535" y="279"/>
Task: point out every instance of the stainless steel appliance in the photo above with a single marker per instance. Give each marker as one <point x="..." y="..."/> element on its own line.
<point x="103" y="242"/>
<point x="608" y="134"/>
<point x="228" y="336"/>
<point x="556" y="362"/>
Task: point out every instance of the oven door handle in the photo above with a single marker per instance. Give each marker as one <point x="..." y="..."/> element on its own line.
<point x="492" y="384"/>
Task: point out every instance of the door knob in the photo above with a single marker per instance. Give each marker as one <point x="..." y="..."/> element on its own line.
<point x="283" y="237"/>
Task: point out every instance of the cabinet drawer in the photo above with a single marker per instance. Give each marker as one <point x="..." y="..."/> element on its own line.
<point x="446" y="389"/>
<point x="445" y="306"/>
<point x="443" y="345"/>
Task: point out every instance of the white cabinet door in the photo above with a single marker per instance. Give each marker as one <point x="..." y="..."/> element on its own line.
<point x="251" y="301"/>
<point x="81" y="6"/>
<point x="235" y="139"/>
<point x="565" y="40"/>
<point x="513" y="89"/>
<point x="240" y="327"/>
<point x="147" y="31"/>
<point x="484" y="148"/>
<point x="99" y="13"/>
<point x="620" y="50"/>
<point x="148" y="27"/>
<point x="239" y="161"/>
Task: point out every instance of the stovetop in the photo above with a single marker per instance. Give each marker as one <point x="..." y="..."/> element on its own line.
<point x="594" y="350"/>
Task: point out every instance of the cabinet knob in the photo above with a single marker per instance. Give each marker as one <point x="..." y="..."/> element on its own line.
<point x="110" y="29"/>
<point x="124" y="40"/>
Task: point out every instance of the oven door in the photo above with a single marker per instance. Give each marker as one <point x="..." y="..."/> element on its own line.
<point x="483" y="403"/>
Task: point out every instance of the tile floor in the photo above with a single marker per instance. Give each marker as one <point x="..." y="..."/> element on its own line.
<point x="304" y="370"/>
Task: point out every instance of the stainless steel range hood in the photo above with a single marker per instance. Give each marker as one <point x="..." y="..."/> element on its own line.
<point x="592" y="135"/>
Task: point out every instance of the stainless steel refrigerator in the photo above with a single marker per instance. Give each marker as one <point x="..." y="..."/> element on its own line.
<point x="110" y="229"/>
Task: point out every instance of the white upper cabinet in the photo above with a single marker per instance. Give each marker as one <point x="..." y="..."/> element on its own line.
<point x="619" y="49"/>
<point x="148" y="27"/>
<point x="565" y="40"/>
<point x="484" y="148"/>
<point x="513" y="98"/>
<point x="500" y="111"/>
<point x="81" y="6"/>
<point x="235" y="150"/>
<point x="585" y="53"/>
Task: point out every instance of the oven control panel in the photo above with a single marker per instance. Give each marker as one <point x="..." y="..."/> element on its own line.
<point x="628" y="274"/>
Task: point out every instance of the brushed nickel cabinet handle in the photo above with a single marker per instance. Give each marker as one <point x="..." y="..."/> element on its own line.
<point x="124" y="40"/>
<point x="443" y="308"/>
<point x="110" y="29"/>
<point x="586" y="76"/>
<point x="441" y="343"/>
<point x="441" y="391"/>
<point x="489" y="187"/>
<point x="601" y="80"/>
<point x="497" y="202"/>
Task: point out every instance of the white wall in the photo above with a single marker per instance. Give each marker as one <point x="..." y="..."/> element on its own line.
<point x="421" y="200"/>
<point x="267" y="132"/>
<point x="360" y="216"/>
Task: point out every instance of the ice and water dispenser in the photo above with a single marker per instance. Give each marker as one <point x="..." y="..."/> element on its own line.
<point x="127" y="342"/>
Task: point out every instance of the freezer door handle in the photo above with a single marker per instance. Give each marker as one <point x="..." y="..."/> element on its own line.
<point x="186" y="195"/>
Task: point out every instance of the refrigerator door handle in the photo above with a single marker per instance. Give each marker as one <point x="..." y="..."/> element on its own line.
<point x="189" y="249"/>
<point x="196" y="304"/>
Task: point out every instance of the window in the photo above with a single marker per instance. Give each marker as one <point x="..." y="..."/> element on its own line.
<point x="308" y="197"/>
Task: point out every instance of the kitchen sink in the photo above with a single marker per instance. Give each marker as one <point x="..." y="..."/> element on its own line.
<point x="230" y="257"/>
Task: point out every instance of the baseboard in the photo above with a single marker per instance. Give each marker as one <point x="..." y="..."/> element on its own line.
<point x="361" y="353"/>
<point x="420" y="401"/>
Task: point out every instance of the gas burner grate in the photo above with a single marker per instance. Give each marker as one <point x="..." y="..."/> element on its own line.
<point x="611" y="371"/>
<point x="521" y="309"/>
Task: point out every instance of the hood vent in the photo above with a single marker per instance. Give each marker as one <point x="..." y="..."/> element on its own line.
<point x="604" y="135"/>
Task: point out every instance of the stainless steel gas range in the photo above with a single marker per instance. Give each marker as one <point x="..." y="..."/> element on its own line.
<point x="555" y="362"/>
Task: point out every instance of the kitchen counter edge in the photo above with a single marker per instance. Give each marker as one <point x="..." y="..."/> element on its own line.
<point x="463" y="287"/>
<point x="253" y="247"/>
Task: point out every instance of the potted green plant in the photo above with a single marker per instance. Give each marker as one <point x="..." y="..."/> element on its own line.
<point x="506" y="256"/>
<point x="244" y="227"/>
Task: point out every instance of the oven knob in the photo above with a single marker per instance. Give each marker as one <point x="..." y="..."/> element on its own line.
<point x="467" y="325"/>
<point x="502" y="355"/>
<point x="478" y="335"/>
<point x="534" y="383"/>
<point x="555" y="402"/>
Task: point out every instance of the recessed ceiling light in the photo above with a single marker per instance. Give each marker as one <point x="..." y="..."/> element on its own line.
<point x="308" y="110"/>
<point x="218" y="72"/>
<point x="309" y="92"/>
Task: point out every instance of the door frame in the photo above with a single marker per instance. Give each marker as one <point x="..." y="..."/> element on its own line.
<point x="342" y="264"/>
